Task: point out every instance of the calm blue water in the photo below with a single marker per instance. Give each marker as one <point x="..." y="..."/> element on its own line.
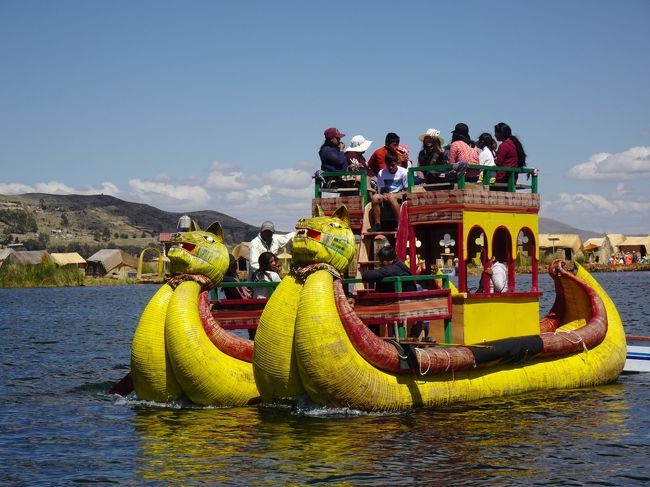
<point x="62" y="349"/>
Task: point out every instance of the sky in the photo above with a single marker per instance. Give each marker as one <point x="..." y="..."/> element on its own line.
<point x="214" y="105"/>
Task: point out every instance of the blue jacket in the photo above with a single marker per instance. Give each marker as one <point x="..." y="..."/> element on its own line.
<point x="332" y="159"/>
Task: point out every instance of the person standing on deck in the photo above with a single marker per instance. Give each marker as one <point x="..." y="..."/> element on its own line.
<point x="266" y="241"/>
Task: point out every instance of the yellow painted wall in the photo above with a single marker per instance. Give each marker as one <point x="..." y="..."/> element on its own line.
<point x="492" y="318"/>
<point x="490" y="221"/>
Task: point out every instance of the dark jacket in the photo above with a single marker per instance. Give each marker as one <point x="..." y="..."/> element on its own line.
<point x="332" y="159"/>
<point x="232" y="292"/>
<point x="397" y="268"/>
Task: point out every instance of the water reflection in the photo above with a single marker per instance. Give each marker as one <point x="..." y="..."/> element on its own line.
<point x="513" y="437"/>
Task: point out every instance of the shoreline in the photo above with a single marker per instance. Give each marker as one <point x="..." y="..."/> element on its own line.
<point x="103" y="281"/>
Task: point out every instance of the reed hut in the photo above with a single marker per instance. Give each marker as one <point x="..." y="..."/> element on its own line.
<point x="598" y="250"/>
<point x="112" y="263"/>
<point x="69" y="259"/>
<point x="564" y="245"/>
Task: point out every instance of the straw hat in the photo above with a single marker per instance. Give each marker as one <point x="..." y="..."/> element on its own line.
<point x="434" y="134"/>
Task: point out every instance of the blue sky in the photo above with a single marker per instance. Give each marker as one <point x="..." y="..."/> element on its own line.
<point x="212" y="105"/>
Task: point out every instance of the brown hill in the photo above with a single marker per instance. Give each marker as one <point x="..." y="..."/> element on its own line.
<point x="100" y="219"/>
<point x="95" y="218"/>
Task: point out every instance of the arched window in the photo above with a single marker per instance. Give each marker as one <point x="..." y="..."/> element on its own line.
<point x="476" y="258"/>
<point x="502" y="252"/>
<point x="527" y="256"/>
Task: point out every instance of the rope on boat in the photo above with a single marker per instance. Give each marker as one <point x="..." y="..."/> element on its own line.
<point x="565" y="335"/>
<point x="419" y="353"/>
<point x="405" y="356"/>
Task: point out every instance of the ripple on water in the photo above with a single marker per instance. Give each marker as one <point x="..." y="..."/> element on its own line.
<point x="62" y="349"/>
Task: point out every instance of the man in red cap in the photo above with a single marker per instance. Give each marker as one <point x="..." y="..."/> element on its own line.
<point x="332" y="157"/>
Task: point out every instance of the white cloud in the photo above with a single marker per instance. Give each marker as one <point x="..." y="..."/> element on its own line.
<point x="105" y="188"/>
<point x="16" y="188"/>
<point x="633" y="163"/>
<point x="622" y="212"/>
<point x="290" y="178"/>
<point x="182" y="196"/>
<point x="57" y="187"/>
<point x="282" y="195"/>
<point x="54" y="187"/>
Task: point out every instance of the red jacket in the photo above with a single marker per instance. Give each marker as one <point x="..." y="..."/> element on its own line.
<point x="506" y="157"/>
<point x="377" y="161"/>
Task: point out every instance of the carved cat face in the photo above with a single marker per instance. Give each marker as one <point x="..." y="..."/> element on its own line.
<point x="199" y="252"/>
<point x="324" y="239"/>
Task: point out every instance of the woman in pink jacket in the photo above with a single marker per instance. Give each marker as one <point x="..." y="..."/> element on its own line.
<point x="462" y="149"/>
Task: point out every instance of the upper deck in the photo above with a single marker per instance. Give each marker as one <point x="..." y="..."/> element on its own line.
<point x="459" y="227"/>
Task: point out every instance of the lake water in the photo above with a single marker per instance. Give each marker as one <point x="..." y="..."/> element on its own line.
<point x="63" y="348"/>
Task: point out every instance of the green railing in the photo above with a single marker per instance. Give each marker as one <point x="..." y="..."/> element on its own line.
<point x="363" y="184"/>
<point x="512" y="174"/>
<point x="398" y="280"/>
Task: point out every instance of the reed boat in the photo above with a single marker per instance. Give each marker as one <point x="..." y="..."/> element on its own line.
<point x="327" y="334"/>
<point x="312" y="340"/>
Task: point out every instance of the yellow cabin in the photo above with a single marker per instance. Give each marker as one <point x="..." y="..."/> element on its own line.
<point x="457" y="231"/>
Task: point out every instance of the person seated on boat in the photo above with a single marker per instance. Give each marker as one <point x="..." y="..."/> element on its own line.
<point x="392" y="183"/>
<point x="240" y="292"/>
<point x="497" y="273"/>
<point x="232" y="275"/>
<point x="332" y="157"/>
<point x="356" y="160"/>
<point x="377" y="160"/>
<point x="268" y="271"/>
<point x="431" y="154"/>
<point x="464" y="150"/>
<point x="509" y="154"/>
<point x="266" y="241"/>
<point x="391" y="266"/>
<point x="487" y="146"/>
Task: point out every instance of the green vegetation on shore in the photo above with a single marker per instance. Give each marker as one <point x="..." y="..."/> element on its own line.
<point x="39" y="275"/>
<point x="49" y="275"/>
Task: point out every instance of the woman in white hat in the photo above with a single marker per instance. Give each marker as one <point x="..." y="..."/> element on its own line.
<point x="354" y="154"/>
<point x="356" y="160"/>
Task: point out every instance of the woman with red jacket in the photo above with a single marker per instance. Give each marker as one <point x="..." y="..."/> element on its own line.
<point x="510" y="152"/>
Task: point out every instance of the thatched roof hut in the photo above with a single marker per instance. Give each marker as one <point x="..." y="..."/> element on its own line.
<point x="598" y="249"/>
<point x="33" y="257"/>
<point x="568" y="243"/>
<point x="113" y="263"/>
<point x="635" y="244"/>
<point x="72" y="259"/>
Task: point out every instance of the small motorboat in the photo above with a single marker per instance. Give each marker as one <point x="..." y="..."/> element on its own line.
<point x="638" y="355"/>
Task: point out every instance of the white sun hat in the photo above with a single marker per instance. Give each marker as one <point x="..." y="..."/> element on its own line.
<point x="358" y="143"/>
<point x="433" y="133"/>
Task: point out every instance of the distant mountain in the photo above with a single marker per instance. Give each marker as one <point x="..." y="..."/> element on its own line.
<point x="548" y="225"/>
<point x="95" y="218"/>
<point x="81" y="217"/>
